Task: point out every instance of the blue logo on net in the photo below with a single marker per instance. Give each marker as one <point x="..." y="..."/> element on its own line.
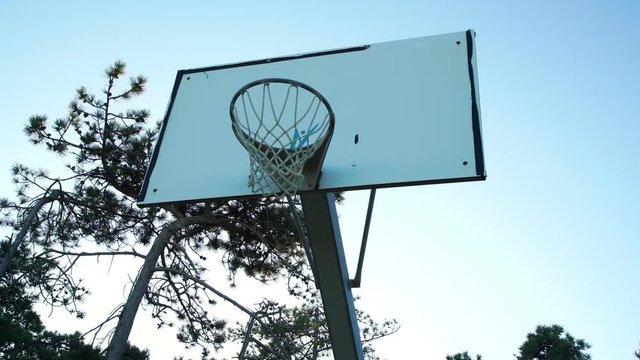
<point x="300" y="139"/>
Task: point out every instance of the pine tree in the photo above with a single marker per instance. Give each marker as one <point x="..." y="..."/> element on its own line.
<point x="107" y="150"/>
<point x="553" y="343"/>
<point x="462" y="356"/>
<point x="23" y="336"/>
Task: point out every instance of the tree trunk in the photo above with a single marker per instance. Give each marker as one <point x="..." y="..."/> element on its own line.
<point x="118" y="342"/>
<point x="15" y="245"/>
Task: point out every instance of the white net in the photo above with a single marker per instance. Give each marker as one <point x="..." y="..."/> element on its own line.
<point x="282" y="124"/>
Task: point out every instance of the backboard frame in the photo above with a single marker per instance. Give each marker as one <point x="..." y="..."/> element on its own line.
<point x="479" y="174"/>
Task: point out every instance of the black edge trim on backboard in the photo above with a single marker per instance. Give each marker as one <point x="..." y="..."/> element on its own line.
<point x="475" y="113"/>
<point x="181" y="73"/>
<point x="278" y="59"/>
<point x="156" y="149"/>
<point x="348" y="188"/>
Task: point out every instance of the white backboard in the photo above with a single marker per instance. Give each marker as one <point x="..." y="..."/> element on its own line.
<point x="413" y="105"/>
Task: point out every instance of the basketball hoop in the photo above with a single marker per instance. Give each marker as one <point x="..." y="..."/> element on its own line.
<point x="286" y="127"/>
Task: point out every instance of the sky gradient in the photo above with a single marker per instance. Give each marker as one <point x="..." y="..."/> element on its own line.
<point x="551" y="237"/>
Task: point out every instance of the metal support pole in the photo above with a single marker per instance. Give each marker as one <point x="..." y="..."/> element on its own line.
<point x="333" y="277"/>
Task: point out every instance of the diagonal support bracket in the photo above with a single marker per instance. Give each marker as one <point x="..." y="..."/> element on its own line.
<point x="355" y="283"/>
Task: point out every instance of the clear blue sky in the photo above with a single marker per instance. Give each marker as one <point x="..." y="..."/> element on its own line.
<point x="551" y="236"/>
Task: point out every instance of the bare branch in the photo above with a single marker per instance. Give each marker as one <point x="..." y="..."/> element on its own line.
<point x="92" y="253"/>
<point x="212" y="289"/>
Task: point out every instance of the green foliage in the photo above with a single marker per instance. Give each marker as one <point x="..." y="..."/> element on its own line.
<point x="134" y="353"/>
<point x="462" y="356"/>
<point x="300" y="332"/>
<point x="106" y="147"/>
<point x="22" y="333"/>
<point x="553" y="343"/>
